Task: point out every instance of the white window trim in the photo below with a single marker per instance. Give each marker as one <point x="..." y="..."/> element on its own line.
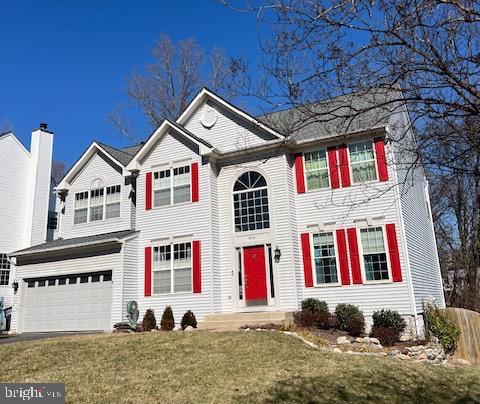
<point x="172" y="280"/>
<point x="349" y="162"/>
<point x="362" y="262"/>
<point x="171" y="167"/>
<point x="305" y="170"/>
<point x="314" y="269"/>
<point x="104" y="205"/>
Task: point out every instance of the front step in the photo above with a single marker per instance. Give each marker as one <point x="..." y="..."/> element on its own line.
<point x="234" y="321"/>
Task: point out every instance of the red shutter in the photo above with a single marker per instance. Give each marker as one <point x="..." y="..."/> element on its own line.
<point x="381" y="159"/>
<point x="393" y="251"/>
<point x="299" y="172"/>
<point x="148" y="191"/>
<point x="333" y="166"/>
<point x="344" y="169"/>
<point x="194" y="177"/>
<point x="197" y="267"/>
<point x="342" y="256"/>
<point x="148" y="271"/>
<point x="354" y="257"/>
<point x="307" y="260"/>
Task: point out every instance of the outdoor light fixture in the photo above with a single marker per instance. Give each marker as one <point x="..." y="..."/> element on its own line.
<point x="277" y="254"/>
<point x="15" y="287"/>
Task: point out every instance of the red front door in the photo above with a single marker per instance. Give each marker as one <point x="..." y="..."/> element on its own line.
<point x="255" y="273"/>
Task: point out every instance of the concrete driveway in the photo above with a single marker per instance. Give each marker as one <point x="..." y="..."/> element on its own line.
<point x="32" y="336"/>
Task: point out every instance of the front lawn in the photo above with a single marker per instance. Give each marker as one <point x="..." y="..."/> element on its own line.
<point x="225" y="367"/>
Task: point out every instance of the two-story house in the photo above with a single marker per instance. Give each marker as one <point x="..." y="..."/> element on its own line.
<point x="221" y="214"/>
<point x="25" y="176"/>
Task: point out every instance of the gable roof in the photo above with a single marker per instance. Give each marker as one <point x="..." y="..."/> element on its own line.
<point x="124" y="155"/>
<point x="117" y="156"/>
<point x="205" y="94"/>
<point x="161" y="131"/>
<point x="15" y="138"/>
<point x="62" y="244"/>
<point x="339" y="116"/>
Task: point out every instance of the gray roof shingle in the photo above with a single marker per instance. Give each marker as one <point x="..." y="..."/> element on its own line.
<point x="124" y="155"/>
<point x="337" y="116"/>
<point x="74" y="242"/>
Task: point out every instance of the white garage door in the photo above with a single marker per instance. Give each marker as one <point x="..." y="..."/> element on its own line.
<point x="68" y="303"/>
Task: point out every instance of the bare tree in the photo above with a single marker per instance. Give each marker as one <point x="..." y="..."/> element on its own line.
<point x="58" y="171"/>
<point x="168" y="84"/>
<point x="430" y="50"/>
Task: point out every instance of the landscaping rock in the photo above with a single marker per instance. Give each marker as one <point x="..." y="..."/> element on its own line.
<point x="460" y="362"/>
<point x="343" y="340"/>
<point x="422" y="356"/>
<point x="374" y="341"/>
<point x="189" y="328"/>
<point x="403" y="357"/>
<point x="246" y="329"/>
<point x="337" y="350"/>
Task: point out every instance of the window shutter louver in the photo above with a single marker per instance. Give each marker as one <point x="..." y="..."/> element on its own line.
<point x="381" y="159"/>
<point x="393" y="252"/>
<point x="307" y="260"/>
<point x="194" y="178"/>
<point x="299" y="173"/>
<point x="343" y="162"/>
<point x="354" y="257"/>
<point x="342" y="256"/>
<point x="148" y="271"/>
<point x="197" y="267"/>
<point x="148" y="191"/>
<point x="333" y="167"/>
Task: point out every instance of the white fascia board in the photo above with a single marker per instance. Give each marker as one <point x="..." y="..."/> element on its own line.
<point x="161" y="131"/>
<point x="204" y="93"/>
<point x="65" y="183"/>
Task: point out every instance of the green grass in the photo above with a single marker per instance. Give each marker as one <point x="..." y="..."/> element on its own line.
<point x="225" y="367"/>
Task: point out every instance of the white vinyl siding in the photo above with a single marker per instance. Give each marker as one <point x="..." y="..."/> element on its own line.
<point x="171" y="186"/>
<point x="362" y="161"/>
<point x="325" y="260"/>
<point x="374" y="254"/>
<point x="316" y="169"/>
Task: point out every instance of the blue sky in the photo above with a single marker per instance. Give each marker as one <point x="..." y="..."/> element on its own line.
<point x="65" y="62"/>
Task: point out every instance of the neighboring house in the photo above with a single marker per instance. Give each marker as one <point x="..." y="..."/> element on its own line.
<point x="24" y="203"/>
<point x="219" y="213"/>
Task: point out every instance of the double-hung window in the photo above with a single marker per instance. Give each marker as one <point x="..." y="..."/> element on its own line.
<point x="4" y="270"/>
<point x="316" y="169"/>
<point x="81" y="208"/>
<point x="112" y="202"/>
<point x="171" y="186"/>
<point x="374" y="254"/>
<point x="172" y="268"/>
<point x="362" y="161"/>
<point x="96" y="204"/>
<point x="325" y="258"/>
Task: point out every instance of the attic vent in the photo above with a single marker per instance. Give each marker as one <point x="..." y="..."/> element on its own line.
<point x="209" y="117"/>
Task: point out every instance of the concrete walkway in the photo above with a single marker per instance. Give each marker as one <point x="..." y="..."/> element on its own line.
<point x="33" y="336"/>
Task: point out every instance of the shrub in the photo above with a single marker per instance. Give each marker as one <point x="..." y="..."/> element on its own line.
<point x="439" y="325"/>
<point x="149" y="322"/>
<point x="356" y="325"/>
<point x="323" y="321"/>
<point x="188" y="319"/>
<point x="314" y="305"/>
<point x="389" y="319"/>
<point x="386" y="335"/>
<point x="304" y="318"/>
<point x="344" y="312"/>
<point x="167" y="323"/>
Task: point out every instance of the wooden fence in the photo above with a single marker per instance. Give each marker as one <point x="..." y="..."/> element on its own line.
<point x="468" y="322"/>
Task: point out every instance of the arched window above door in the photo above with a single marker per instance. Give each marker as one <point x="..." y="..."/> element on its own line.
<point x="250" y="202"/>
